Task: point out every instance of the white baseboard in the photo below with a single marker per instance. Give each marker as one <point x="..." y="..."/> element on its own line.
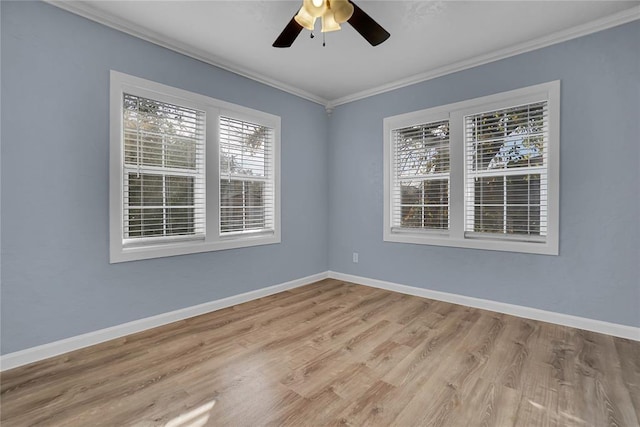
<point x="41" y="352"/>
<point x="599" y="326"/>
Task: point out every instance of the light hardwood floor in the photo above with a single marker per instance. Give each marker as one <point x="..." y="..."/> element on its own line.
<point x="335" y="353"/>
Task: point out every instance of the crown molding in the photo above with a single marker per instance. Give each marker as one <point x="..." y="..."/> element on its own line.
<point x="85" y="10"/>
<point x="610" y="21"/>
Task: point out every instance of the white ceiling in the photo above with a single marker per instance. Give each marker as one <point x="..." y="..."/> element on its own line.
<point x="428" y="38"/>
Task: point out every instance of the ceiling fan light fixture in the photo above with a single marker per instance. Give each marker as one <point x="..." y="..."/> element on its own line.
<point x="342" y="10"/>
<point x="329" y="23"/>
<point x="333" y="13"/>
<point x="305" y="19"/>
<point x="315" y="8"/>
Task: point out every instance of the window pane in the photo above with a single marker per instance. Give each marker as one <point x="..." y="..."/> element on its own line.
<point x="145" y="222"/>
<point x="152" y="222"/>
<point x="179" y="190"/>
<point x="230" y="193"/>
<point x="509" y="138"/>
<point x="411" y="192"/>
<point x="424" y="204"/>
<point x="421" y="170"/>
<point x="244" y="148"/>
<point x="489" y="204"/>
<point x="256" y="193"/>
<point x="436" y="199"/>
<point x="160" y="205"/>
<point x="523" y="189"/>
<point x="508" y="204"/>
<point x="133" y="222"/>
<point x="164" y="164"/>
<point x="526" y="221"/>
<point x="436" y="217"/>
<point x="246" y="176"/>
<point x="145" y="190"/>
<point x="489" y="219"/>
<point x="436" y="192"/>
<point x="180" y="221"/>
<point x="523" y="204"/>
<point x="230" y="219"/>
<point x="180" y="153"/>
<point x="489" y="191"/>
<point x="242" y="205"/>
<point x="411" y="204"/>
<point x="422" y="149"/>
<point x="499" y="143"/>
<point x="161" y="134"/>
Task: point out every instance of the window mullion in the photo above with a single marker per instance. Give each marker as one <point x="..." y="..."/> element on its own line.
<point x="244" y="204"/>
<point x="457" y="175"/>
<point x="212" y="175"/>
<point x="165" y="216"/>
<point x="504" y="203"/>
<point x="422" y="201"/>
<point x="504" y="178"/>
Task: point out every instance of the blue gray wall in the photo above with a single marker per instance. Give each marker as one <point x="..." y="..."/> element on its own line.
<point x="597" y="274"/>
<point x="56" y="278"/>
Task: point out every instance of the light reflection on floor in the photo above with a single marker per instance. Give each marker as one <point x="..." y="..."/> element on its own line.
<point x="195" y="418"/>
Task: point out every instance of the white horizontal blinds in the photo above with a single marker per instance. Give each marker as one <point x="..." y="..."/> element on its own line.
<point x="246" y="177"/>
<point x="164" y="185"/>
<point x="420" y="188"/>
<point x="506" y="172"/>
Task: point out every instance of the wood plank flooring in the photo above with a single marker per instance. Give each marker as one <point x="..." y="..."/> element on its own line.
<point x="336" y="353"/>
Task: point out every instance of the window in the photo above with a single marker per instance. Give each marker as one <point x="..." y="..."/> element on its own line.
<point x="506" y="188"/>
<point x="188" y="173"/>
<point x="245" y="168"/>
<point x="421" y="190"/>
<point x="163" y="172"/>
<point x="478" y="174"/>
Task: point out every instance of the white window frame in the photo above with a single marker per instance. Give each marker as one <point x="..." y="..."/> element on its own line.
<point x="433" y="115"/>
<point x="456" y="112"/>
<point x="121" y="83"/>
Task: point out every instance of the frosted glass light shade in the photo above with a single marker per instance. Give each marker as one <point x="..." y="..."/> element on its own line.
<point x="304" y="18"/>
<point x="342" y="10"/>
<point x="313" y="10"/>
<point x="329" y="23"/>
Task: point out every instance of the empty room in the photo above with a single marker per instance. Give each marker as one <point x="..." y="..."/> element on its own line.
<point x="320" y="212"/>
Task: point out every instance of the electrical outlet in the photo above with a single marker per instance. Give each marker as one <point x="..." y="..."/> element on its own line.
<point x="355" y="257"/>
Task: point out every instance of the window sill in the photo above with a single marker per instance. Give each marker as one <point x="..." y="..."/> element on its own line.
<point x="493" y="244"/>
<point x="135" y="253"/>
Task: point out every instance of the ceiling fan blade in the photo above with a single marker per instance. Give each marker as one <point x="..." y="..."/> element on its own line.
<point x="288" y="35"/>
<point x="367" y="27"/>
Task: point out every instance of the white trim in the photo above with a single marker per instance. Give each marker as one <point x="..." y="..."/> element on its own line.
<point x="601" y="24"/>
<point x="456" y="236"/>
<point x="86" y="11"/>
<point x="602" y="327"/>
<point x="45" y="351"/>
<point x="213" y="108"/>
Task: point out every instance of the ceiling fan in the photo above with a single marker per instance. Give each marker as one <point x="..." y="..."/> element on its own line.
<point x="332" y="13"/>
